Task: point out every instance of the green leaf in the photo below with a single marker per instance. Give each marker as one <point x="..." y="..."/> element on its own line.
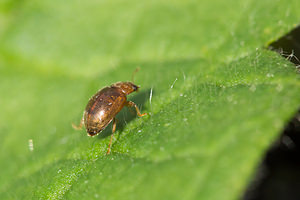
<point x="216" y="98"/>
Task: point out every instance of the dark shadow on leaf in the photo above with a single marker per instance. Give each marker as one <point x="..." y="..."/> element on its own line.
<point x="277" y="176"/>
<point x="288" y="46"/>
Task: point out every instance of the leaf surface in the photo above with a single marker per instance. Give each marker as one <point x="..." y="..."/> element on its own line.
<point x="216" y="98"/>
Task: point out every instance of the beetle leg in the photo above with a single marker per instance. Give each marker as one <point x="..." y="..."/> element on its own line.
<point x="79" y="126"/>
<point x="114" y="126"/>
<point x="131" y="111"/>
<point x="132" y="104"/>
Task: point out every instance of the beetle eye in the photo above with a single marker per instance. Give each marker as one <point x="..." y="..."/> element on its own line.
<point x="135" y="87"/>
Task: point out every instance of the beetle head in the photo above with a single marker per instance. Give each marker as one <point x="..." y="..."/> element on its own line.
<point x="127" y="87"/>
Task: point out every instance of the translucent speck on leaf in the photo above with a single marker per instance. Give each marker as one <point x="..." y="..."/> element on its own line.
<point x="229" y="98"/>
<point x="173" y="83"/>
<point x="30" y="144"/>
<point x="279" y="87"/>
<point x="252" y="88"/>
<point x="150" y="96"/>
<point x="167" y="124"/>
<point x="59" y="171"/>
<point x="64" y="140"/>
<point x="269" y="75"/>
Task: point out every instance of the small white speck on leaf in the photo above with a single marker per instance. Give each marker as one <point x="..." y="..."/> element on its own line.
<point x="252" y="88"/>
<point x="167" y="124"/>
<point x="183" y="76"/>
<point x="173" y="83"/>
<point x="229" y="98"/>
<point x="269" y="75"/>
<point x="64" y="140"/>
<point x="150" y="97"/>
<point x="30" y="144"/>
<point x="279" y="87"/>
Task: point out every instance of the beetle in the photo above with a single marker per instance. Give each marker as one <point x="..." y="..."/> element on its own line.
<point x="103" y="107"/>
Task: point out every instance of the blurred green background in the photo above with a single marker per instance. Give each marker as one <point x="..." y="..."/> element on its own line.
<point x="217" y="98"/>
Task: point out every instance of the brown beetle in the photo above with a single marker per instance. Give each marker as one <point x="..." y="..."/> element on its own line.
<point x="104" y="106"/>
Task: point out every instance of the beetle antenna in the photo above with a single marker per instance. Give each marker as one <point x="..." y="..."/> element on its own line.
<point x="133" y="74"/>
